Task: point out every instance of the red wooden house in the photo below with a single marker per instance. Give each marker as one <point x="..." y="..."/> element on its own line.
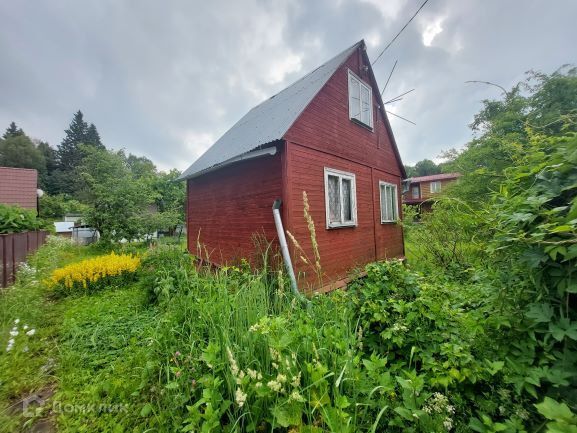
<point x="326" y="134"/>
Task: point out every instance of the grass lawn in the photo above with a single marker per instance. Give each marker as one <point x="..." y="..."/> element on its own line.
<point x="85" y="355"/>
<point x="170" y="347"/>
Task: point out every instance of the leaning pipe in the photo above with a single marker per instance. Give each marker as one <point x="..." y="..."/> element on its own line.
<point x="284" y="248"/>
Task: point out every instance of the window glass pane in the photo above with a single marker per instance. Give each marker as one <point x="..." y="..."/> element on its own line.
<point x="354" y="98"/>
<point x="347" y="205"/>
<point x="365" y="106"/>
<point x="334" y="199"/>
<point x="384" y="202"/>
<point x="415" y="192"/>
<point x="392" y="214"/>
<point x="388" y="203"/>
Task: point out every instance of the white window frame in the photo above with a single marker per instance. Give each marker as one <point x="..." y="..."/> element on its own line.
<point x="384" y="220"/>
<point x="437" y="187"/>
<point x="362" y="85"/>
<point x="341" y="175"/>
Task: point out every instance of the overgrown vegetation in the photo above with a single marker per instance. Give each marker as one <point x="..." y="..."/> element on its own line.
<point x="14" y="219"/>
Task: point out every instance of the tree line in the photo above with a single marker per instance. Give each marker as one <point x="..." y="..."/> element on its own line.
<point x="123" y="196"/>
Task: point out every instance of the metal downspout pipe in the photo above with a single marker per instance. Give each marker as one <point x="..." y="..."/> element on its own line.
<point x="284" y="248"/>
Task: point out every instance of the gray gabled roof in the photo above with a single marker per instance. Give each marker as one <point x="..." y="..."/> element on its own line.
<point x="270" y="120"/>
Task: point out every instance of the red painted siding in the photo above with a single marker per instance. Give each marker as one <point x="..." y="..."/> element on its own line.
<point x="324" y="136"/>
<point x="226" y="207"/>
<point x="18" y="187"/>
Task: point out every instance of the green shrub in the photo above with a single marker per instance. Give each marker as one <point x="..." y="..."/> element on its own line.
<point x="14" y="219"/>
<point x="164" y="271"/>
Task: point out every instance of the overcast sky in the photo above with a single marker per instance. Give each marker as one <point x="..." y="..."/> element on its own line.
<point x="166" y="79"/>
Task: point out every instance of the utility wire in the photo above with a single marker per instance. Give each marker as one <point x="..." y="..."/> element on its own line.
<point x="390" y="75"/>
<point x="398" y="34"/>
<point x="398" y="98"/>
<point x="400" y="117"/>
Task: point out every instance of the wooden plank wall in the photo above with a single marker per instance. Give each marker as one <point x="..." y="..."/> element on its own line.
<point x="324" y="136"/>
<point x="227" y="207"/>
<point x="18" y="187"/>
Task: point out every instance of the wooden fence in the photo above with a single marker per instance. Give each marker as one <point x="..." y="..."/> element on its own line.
<point x="14" y="248"/>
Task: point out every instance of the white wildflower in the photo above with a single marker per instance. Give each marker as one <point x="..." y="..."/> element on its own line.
<point x="31" y="332"/>
<point x="295" y="395"/>
<point x="448" y="424"/>
<point x="25" y="327"/>
<point x="251" y="373"/>
<point x="240" y="397"/>
<point x="274" y="385"/>
<point x="281" y="378"/>
<point x="296" y="380"/>
<point x="274" y="354"/>
<point x="258" y="385"/>
<point x="232" y="361"/>
<point x="240" y="377"/>
<point x="14" y="333"/>
<point x="17" y="321"/>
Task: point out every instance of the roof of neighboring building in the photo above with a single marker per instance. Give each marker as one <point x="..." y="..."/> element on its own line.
<point x="64" y="226"/>
<point x="270" y="120"/>
<point x="434" y="177"/>
<point x="18" y="186"/>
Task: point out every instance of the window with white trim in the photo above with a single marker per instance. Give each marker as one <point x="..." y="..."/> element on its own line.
<point x="360" y="100"/>
<point x="435" y="187"/>
<point x="389" y="202"/>
<point x="416" y="191"/>
<point x="340" y="198"/>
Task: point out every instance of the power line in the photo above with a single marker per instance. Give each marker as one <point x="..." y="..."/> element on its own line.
<point x="400" y="117"/>
<point x="398" y="98"/>
<point x="398" y="34"/>
<point x="390" y="75"/>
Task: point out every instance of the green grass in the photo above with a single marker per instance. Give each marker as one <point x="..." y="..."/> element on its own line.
<point x="78" y="341"/>
<point x="232" y="351"/>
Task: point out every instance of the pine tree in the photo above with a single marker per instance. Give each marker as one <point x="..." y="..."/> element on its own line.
<point x="93" y="137"/>
<point x="46" y="178"/>
<point x="69" y="155"/>
<point x="12" y="131"/>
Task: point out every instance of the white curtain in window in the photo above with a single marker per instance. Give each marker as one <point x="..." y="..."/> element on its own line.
<point x="334" y="199"/>
<point x="347" y="209"/>
<point x="388" y="202"/>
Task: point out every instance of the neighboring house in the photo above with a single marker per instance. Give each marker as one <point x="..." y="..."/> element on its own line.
<point x="423" y="190"/>
<point x="326" y="134"/>
<point x="18" y="187"/>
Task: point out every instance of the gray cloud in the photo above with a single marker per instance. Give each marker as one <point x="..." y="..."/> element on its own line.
<point x="165" y="80"/>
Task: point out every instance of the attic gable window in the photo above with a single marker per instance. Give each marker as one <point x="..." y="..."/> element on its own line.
<point x="340" y="198"/>
<point x="389" y="202"/>
<point x="360" y="100"/>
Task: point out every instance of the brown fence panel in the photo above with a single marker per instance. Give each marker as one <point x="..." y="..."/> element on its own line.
<point x="3" y="270"/>
<point x="32" y="240"/>
<point x="14" y="249"/>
